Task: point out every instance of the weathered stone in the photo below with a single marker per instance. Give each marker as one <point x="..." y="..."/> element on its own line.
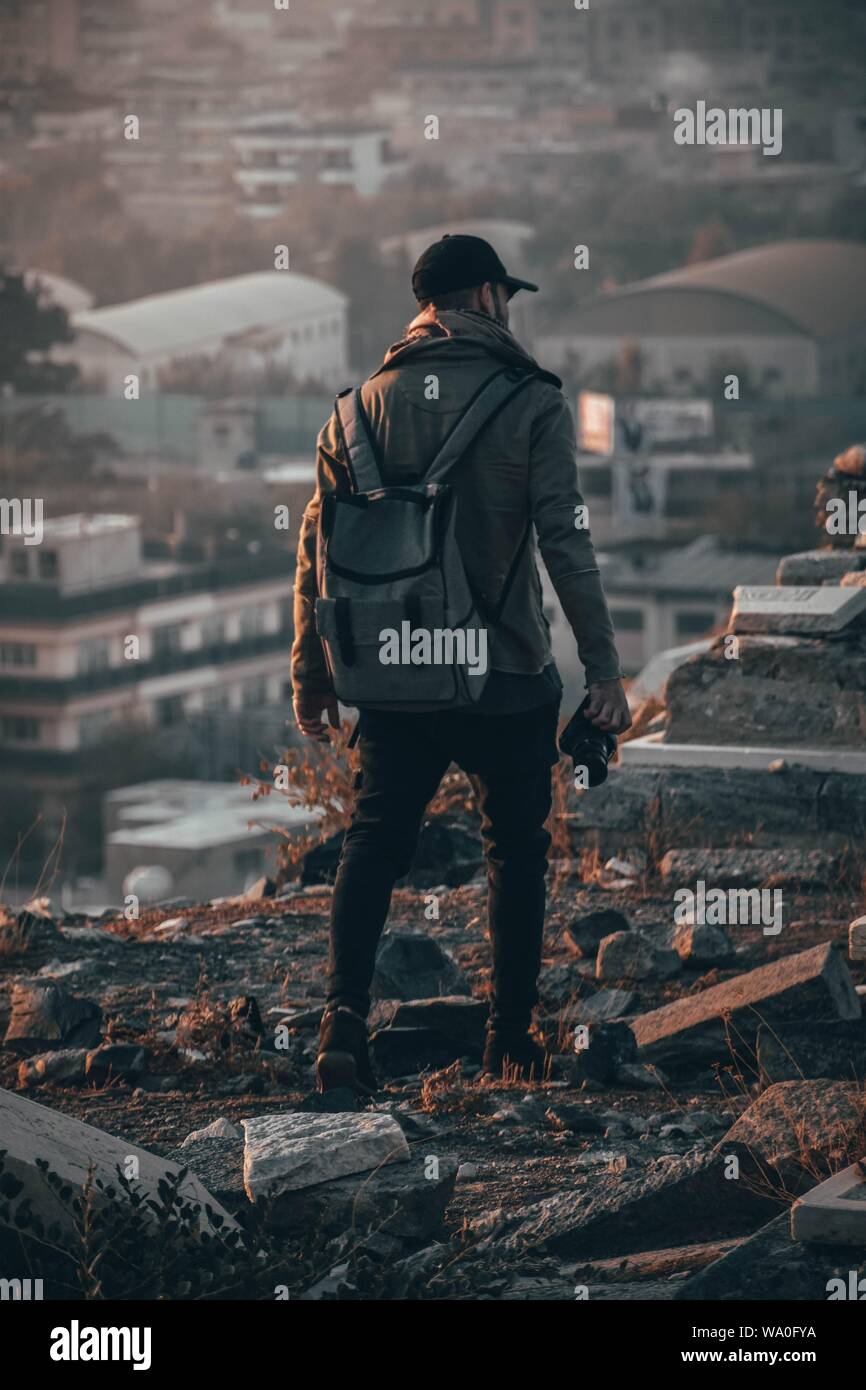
<point x="45" y="1016"/>
<point x="857" y="939"/>
<point x="605" y="1047"/>
<point x="834" y="1212"/>
<point x="622" y="803"/>
<point x="604" y="1006"/>
<point x="749" y="868"/>
<point x="631" y="1212"/>
<point x="842" y="807"/>
<point x="781" y="691"/>
<point x="633" y="956"/>
<point x="585" y="934"/>
<point x="769" y="1266"/>
<point x="285" y="1152"/>
<point x="812" y="567"/>
<point x="402" y="1199"/>
<point x="65" y="1067"/>
<point x="702" y="944"/>
<point x="217" y="1129"/>
<point x="31" y="1133"/>
<point x="219" y="1164"/>
<point x="401" y="1051"/>
<point x="558" y="984"/>
<point x="457" y="1018"/>
<point x="813" y="984"/>
<point x="113" y="1060"/>
<point x="411" y="966"/>
<point x="796" y="1131"/>
<point x="728" y="801"/>
<point x="801" y="609"/>
<point x="803" y="1051"/>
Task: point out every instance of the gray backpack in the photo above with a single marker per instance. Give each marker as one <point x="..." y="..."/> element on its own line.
<point x="398" y="619"/>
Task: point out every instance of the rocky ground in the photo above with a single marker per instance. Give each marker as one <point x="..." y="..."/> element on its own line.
<point x="604" y="1180"/>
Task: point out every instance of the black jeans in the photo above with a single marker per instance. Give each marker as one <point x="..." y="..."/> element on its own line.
<point x="508" y="758"/>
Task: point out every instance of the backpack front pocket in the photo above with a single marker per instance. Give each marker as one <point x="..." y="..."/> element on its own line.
<point x="386" y="651"/>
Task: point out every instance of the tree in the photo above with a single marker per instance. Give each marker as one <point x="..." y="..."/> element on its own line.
<point x="31" y="326"/>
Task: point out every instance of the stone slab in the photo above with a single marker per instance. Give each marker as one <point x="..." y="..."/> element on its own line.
<point x="834" y="1212"/>
<point x="775" y="692"/>
<point x="811" y="567"/>
<point x="805" y="609"/>
<point x="796" y="1132"/>
<point x="813" y="984"/>
<point x="804" y="1051"/>
<point x="771" y="1267"/>
<point x="652" y="751"/>
<point x="402" y="1199"/>
<point x="750" y="868"/>
<point x="31" y="1132"/>
<point x="285" y="1152"/>
<point x="631" y="1213"/>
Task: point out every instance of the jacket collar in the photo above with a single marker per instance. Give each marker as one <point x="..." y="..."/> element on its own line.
<point x="460" y="331"/>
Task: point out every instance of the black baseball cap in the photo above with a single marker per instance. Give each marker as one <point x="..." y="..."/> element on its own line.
<point x="459" y="263"/>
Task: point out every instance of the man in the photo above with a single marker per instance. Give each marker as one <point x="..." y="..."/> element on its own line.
<point x="519" y="474"/>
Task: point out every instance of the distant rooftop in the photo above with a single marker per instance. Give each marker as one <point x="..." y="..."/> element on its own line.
<point x="82" y="524"/>
<point x="192" y="815"/>
<point x="169" y="321"/>
<point x="706" y="566"/>
<point x="818" y="286"/>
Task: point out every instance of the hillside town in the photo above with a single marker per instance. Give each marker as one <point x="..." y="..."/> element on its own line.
<point x="209" y="220"/>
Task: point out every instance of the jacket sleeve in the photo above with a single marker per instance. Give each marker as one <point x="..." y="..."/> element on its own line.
<point x="566" y="547"/>
<point x="310" y="675"/>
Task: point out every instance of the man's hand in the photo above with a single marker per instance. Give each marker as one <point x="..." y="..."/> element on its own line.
<point x="309" y="710"/>
<point x="608" y="708"/>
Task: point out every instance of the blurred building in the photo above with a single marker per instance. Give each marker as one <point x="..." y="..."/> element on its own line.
<point x="275" y="156"/>
<point x="209" y="838"/>
<point x="256" y="321"/>
<point x="791" y="315"/>
<point x="665" y="596"/>
<point x="94" y="637"/>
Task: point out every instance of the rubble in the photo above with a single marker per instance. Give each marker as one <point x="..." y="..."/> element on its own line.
<point x="795" y="1132"/>
<point x="45" y="1015"/>
<point x="410" y="965"/>
<point x="34" y="1133"/>
<point x="633" y="956"/>
<point x="794" y="1051"/>
<point x="290" y="1151"/>
<point x="813" y="984"/>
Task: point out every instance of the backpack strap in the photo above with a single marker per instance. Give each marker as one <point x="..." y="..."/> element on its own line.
<point x="491" y="397"/>
<point x="357" y="444"/>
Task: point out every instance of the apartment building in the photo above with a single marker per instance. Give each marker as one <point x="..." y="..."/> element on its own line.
<point x="94" y="637"/>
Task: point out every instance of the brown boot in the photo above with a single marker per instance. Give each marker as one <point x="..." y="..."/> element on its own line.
<point x="344" y="1059"/>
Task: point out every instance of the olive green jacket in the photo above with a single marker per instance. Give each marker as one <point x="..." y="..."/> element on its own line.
<point x="522" y="467"/>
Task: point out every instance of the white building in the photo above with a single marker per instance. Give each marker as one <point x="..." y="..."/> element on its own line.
<point x="95" y="637"/>
<point x="274" y="155"/>
<point x="792" y="313"/>
<point x="250" y="322"/>
<point x="209" y="838"/>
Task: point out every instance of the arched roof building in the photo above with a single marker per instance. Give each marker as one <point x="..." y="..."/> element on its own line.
<point x="794" y="312"/>
<point x="249" y="320"/>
